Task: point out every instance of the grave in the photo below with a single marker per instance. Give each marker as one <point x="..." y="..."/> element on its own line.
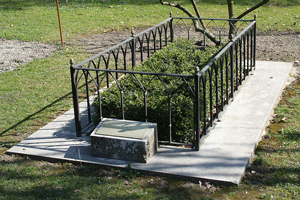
<point x="124" y="140"/>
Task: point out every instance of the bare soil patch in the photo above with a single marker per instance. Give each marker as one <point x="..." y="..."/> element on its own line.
<point x="278" y="47"/>
<point x="14" y="53"/>
<point x="270" y="47"/>
<point x="274" y="46"/>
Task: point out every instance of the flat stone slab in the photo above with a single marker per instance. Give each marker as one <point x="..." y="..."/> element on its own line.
<point x="123" y="128"/>
<point x="124" y="140"/>
<point x="223" y="156"/>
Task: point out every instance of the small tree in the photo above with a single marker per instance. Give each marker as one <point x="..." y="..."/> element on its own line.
<point x="199" y="25"/>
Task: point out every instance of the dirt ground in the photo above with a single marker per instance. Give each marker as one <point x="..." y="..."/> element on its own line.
<point x="278" y="47"/>
<point x="283" y="47"/>
<point x="14" y="53"/>
<point x="270" y="47"/>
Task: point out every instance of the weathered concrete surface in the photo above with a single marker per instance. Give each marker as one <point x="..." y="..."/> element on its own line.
<point x="223" y="156"/>
<point x="124" y="140"/>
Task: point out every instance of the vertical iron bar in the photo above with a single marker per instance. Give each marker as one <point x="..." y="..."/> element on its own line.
<point x="122" y="105"/>
<point x="166" y="35"/>
<point x="247" y="53"/>
<point x="251" y="49"/>
<point x="210" y="97"/>
<point x="241" y="60"/>
<point x="197" y="113"/>
<point x="154" y="40"/>
<point x="107" y="75"/>
<point x="204" y="79"/>
<point x="170" y="118"/>
<point x="99" y="96"/>
<point x="75" y="100"/>
<point x="215" y="66"/>
<point x="142" y="48"/>
<point x="148" y="45"/>
<point x="145" y="103"/>
<point x="231" y="72"/>
<point x="87" y="96"/>
<point x="236" y="65"/>
<point x="116" y="62"/>
<point x="222" y="82"/>
<point x="124" y="58"/>
<point x="204" y="39"/>
<point x="171" y="28"/>
<point x="160" y="39"/>
<point x="254" y="48"/>
<point x="133" y="50"/>
<point x="227" y="79"/>
<point x="244" y="55"/>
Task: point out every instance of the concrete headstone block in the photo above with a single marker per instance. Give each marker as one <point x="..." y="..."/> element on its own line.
<point x="124" y="140"/>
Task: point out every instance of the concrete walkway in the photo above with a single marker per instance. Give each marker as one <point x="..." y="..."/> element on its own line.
<point x="223" y="156"/>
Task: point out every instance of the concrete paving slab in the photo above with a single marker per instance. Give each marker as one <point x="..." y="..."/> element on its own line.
<point x="223" y="155"/>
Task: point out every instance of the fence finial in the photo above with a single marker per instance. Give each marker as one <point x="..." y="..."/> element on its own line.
<point x="71" y="62"/>
<point x="171" y="14"/>
<point x="231" y="37"/>
<point x="255" y="16"/>
<point x="132" y="32"/>
<point x="197" y="70"/>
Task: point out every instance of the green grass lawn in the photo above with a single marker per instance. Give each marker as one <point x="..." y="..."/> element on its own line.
<point x="37" y="20"/>
<point x="39" y="91"/>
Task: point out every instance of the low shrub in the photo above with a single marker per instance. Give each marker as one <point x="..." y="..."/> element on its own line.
<point x="180" y="57"/>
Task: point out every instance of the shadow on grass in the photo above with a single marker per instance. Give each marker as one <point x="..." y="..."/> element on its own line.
<point x="24" y="178"/>
<point x="272" y="176"/>
<point x="276" y="165"/>
<point x="32" y="115"/>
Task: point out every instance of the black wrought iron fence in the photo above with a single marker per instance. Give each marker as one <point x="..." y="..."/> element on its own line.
<point x="209" y="88"/>
<point x="223" y="75"/>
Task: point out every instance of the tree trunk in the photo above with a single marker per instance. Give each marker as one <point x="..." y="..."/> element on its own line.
<point x="230" y="4"/>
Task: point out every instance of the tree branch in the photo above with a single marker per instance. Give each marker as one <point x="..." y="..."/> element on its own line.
<point x="177" y="5"/>
<point x="253" y="8"/>
<point x="195" y="22"/>
<point x="197" y="12"/>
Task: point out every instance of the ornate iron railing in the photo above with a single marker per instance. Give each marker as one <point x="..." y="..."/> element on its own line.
<point x="211" y="88"/>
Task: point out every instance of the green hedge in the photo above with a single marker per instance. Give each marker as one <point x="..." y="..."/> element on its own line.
<point x="180" y="57"/>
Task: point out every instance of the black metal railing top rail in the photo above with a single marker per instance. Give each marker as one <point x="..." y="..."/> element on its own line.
<point x="210" y="88"/>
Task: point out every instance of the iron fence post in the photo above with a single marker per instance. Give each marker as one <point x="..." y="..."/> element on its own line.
<point x="75" y="100"/>
<point x="171" y="27"/>
<point x="133" y="50"/>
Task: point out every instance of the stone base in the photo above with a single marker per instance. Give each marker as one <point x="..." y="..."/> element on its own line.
<point x="124" y="140"/>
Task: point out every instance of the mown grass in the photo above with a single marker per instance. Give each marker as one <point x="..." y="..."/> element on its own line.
<point x="33" y="95"/>
<point x="37" y="92"/>
<point x="37" y="20"/>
